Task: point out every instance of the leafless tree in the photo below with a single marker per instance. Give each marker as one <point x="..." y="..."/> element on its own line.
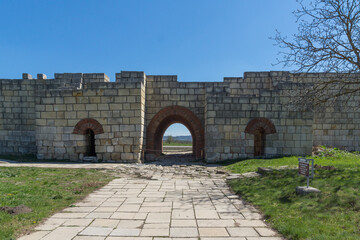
<point x="328" y="41"/>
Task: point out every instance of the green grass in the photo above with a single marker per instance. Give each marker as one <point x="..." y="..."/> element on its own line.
<point x="333" y="214"/>
<point x="45" y="191"/>
<point x="177" y="144"/>
<point x="333" y="157"/>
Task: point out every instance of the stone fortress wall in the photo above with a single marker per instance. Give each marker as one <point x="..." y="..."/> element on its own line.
<point x="236" y="118"/>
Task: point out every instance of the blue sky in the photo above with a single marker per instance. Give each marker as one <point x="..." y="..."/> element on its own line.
<point x="177" y="129"/>
<point x="198" y="40"/>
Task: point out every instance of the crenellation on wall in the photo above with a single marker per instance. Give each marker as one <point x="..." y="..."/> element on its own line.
<point x="90" y="78"/>
<point x="41" y="76"/>
<point x="130" y="77"/>
<point x="162" y="78"/>
<point x="26" y="76"/>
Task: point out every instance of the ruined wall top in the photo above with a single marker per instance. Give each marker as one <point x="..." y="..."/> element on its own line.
<point x="250" y="84"/>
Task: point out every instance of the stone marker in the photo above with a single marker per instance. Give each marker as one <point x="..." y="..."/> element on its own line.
<point x="303" y="190"/>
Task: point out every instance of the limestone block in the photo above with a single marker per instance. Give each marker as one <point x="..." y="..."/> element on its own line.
<point x="127" y="156"/>
<point x="48" y="130"/>
<point x="135" y="120"/>
<point x="94" y="114"/>
<point x="91" y="107"/>
<point x="228" y="128"/>
<point x="82" y="114"/>
<point x="59" y="107"/>
<point x="119" y="148"/>
<point x="127" y="148"/>
<point x="69" y="107"/>
<point x="60" y="123"/>
<point x="100" y="149"/>
<point x="106" y="114"/>
<point x="79" y="107"/>
<point x="110" y="149"/>
<point x="115" y="106"/>
<point x="59" y="151"/>
<point x="114" y="120"/>
<point x="110" y="92"/>
<point x="58" y="144"/>
<point x="70" y="115"/>
<point x="124" y="92"/>
<point x="131" y="99"/>
<point x="226" y="149"/>
<point x="41" y="122"/>
<point x="135" y="91"/>
<point x="90" y="93"/>
<point x="68" y="100"/>
<point x="103" y="107"/>
<point x="105" y="141"/>
<point x="94" y="100"/>
<point x="182" y="91"/>
<point x="116" y="156"/>
<point x="126" y="140"/>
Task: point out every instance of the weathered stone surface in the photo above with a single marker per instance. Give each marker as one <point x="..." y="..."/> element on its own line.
<point x="303" y="190"/>
<point x="263" y="170"/>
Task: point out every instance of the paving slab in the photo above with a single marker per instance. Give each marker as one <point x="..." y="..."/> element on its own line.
<point x="96" y="231"/>
<point x="158" y="218"/>
<point x="184" y="232"/>
<point x="155" y="232"/>
<point x="110" y="223"/>
<point x="35" y="236"/>
<point x="88" y="238"/>
<point x="79" y="222"/>
<point x="213" y="232"/>
<point x="126" y="232"/>
<point x="183" y="223"/>
<point x="63" y="233"/>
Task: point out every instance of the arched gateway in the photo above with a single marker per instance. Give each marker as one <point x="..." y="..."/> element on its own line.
<point x="166" y="117"/>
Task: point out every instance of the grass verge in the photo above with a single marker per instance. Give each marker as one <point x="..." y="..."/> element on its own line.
<point x="327" y="157"/>
<point x="333" y="214"/>
<point x="45" y="191"/>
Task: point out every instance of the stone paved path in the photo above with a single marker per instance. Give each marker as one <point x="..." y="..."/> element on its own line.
<point x="159" y="203"/>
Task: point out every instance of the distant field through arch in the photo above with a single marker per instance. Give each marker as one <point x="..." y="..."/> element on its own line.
<point x="177" y="139"/>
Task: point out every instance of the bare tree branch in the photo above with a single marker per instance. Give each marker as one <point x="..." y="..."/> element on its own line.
<point x="328" y="41"/>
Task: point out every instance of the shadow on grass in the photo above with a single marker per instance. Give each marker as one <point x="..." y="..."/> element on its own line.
<point x="31" y="158"/>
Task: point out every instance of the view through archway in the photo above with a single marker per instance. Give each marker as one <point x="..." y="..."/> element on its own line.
<point x="158" y="125"/>
<point x="177" y="139"/>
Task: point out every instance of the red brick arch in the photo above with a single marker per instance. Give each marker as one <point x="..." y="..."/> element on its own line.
<point x="168" y="116"/>
<point x="83" y="125"/>
<point x="258" y="123"/>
